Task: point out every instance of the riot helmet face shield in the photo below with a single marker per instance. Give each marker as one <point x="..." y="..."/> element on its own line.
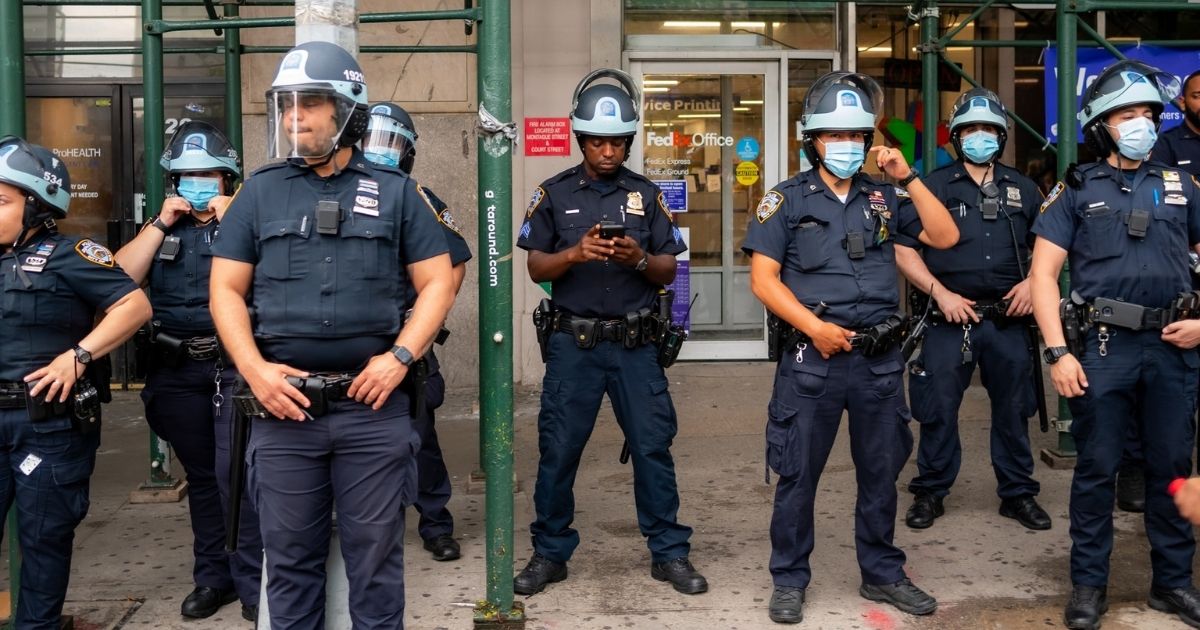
<point x="387" y="141"/>
<point x="305" y="124"/>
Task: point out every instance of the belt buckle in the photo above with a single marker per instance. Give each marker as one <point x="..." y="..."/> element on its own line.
<point x="1154" y="318"/>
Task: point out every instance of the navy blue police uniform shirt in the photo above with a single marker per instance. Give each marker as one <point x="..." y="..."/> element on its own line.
<point x="1179" y="147"/>
<point x="804" y="227"/>
<point x="983" y="264"/>
<point x="328" y="302"/>
<point x="179" y="287"/>
<point x="1091" y="224"/>
<point x="569" y="204"/>
<point x="53" y="289"/>
<point x="460" y="252"/>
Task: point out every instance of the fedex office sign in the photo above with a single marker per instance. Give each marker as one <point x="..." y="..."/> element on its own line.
<point x="676" y="139"/>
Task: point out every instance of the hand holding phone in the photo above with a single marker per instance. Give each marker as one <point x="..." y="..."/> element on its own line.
<point x="611" y="230"/>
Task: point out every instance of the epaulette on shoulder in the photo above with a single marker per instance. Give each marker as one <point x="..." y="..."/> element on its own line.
<point x="270" y="167"/>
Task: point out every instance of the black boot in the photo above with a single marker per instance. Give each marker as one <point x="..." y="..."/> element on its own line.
<point x="1184" y="602"/>
<point x="1027" y="512"/>
<point x="1131" y="488"/>
<point x="443" y="548"/>
<point x="681" y="574"/>
<point x="1084" y="608"/>
<point x="537" y="574"/>
<point x="926" y="508"/>
<point x="205" y="601"/>
<point x="787" y="605"/>
<point x="903" y="595"/>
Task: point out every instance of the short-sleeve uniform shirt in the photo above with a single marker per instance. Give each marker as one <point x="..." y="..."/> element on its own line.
<point x="567" y="205"/>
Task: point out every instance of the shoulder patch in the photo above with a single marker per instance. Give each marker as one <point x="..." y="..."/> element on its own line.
<point x="662" y="205"/>
<point x="447" y="220"/>
<point x="1054" y="194"/>
<point x="1195" y="182"/>
<point x="427" y="200"/>
<point x="94" y="253"/>
<point x="769" y="205"/>
<point x="536" y="198"/>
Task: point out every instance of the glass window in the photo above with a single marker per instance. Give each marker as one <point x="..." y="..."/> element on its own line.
<point x="773" y="23"/>
<point x="79" y="131"/>
<point x="54" y="27"/>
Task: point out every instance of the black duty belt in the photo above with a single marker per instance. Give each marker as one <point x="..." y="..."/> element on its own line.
<point x="12" y="395"/>
<point x="1130" y="316"/>
<point x="605" y="329"/>
<point x="993" y="310"/>
<point x="202" y="348"/>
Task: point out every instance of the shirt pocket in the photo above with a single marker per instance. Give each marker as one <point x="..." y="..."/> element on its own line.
<point x="369" y="248"/>
<point x="812" y="238"/>
<point x="1103" y="232"/>
<point x="40" y="302"/>
<point x="283" y="252"/>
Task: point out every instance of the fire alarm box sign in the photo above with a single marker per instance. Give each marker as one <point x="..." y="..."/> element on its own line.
<point x="547" y="136"/>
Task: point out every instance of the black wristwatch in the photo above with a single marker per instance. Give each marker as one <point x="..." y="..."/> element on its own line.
<point x="83" y="356"/>
<point x="402" y="355"/>
<point x="1054" y="353"/>
<point x="643" y="263"/>
<point x="913" y="174"/>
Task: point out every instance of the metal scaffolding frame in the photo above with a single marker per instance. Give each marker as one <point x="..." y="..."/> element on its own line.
<point x="494" y="160"/>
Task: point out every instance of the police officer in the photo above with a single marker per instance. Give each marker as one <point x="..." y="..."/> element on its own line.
<point x="599" y="282"/>
<point x="1179" y="147"/>
<point x="391" y="142"/>
<point x="316" y="243"/>
<point x="1126" y="225"/>
<point x="983" y="305"/>
<point x="188" y="393"/>
<point x="53" y="286"/>
<point x="822" y="260"/>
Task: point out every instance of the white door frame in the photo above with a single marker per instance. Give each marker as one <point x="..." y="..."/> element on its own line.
<point x="773" y="66"/>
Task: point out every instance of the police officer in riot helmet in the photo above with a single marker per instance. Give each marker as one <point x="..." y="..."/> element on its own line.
<point x="53" y="370"/>
<point x="313" y="245"/>
<point x="631" y="257"/>
<point x="1122" y="348"/>
<point x="981" y="318"/>
<point x="184" y="365"/>
<point x="391" y="142"/>
<point x="822" y="251"/>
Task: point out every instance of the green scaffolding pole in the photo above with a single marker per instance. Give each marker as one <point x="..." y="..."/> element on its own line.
<point x="1067" y="154"/>
<point x="930" y="98"/>
<point x="233" y="84"/>
<point x="12" y="122"/>
<point x="496" y="318"/>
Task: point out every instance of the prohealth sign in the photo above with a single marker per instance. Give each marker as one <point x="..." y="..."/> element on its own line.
<point x="1092" y="61"/>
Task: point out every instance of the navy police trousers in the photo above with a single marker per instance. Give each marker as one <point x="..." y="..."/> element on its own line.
<point x="45" y="469"/>
<point x="365" y="461"/>
<point x="1152" y="385"/>
<point x="806" y="408"/>
<point x="180" y="410"/>
<point x="575" y="382"/>
<point x="936" y="387"/>
<point x="433" y="480"/>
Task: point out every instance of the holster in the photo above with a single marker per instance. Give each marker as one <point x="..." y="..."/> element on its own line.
<point x="1074" y="323"/>
<point x="880" y="338"/>
<point x="544" y="325"/>
<point x="245" y="403"/>
<point x="781" y="336"/>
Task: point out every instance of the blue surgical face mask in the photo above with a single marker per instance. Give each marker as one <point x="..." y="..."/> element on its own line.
<point x="843" y="159"/>
<point x="198" y="191"/>
<point x="1137" y="138"/>
<point x="980" y="147"/>
<point x="386" y="157"/>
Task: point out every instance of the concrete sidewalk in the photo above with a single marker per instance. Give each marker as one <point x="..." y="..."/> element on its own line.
<point x="132" y="563"/>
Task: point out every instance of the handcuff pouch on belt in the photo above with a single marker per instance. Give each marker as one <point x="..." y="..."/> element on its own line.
<point x="82" y="406"/>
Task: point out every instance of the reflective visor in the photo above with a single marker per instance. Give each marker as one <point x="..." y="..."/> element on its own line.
<point x="387" y="137"/>
<point x="305" y="124"/>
